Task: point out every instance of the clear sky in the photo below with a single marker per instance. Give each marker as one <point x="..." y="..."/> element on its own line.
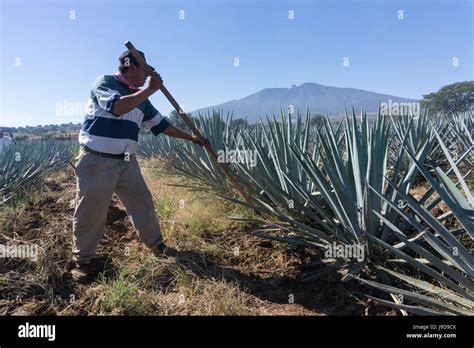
<point x="49" y="59"/>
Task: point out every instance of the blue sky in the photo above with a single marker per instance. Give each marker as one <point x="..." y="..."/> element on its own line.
<point x="60" y="57"/>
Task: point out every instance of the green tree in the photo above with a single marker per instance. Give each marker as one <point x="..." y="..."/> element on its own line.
<point x="316" y="120"/>
<point x="457" y="97"/>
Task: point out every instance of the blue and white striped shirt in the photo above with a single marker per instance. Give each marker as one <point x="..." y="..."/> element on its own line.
<point x="103" y="131"/>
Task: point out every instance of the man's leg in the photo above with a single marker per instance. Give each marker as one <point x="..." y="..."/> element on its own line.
<point x="96" y="179"/>
<point x="137" y="199"/>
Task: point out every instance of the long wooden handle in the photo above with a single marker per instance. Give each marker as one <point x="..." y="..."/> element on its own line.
<point x="11" y="136"/>
<point x="189" y="123"/>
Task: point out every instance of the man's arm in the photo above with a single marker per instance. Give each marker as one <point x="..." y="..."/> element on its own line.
<point x="129" y="102"/>
<point x="177" y="133"/>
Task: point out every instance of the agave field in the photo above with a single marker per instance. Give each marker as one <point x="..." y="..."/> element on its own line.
<point x="355" y="184"/>
<point x="25" y="163"/>
<point x="397" y="189"/>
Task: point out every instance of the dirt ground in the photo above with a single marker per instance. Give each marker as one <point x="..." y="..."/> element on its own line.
<point x="219" y="269"/>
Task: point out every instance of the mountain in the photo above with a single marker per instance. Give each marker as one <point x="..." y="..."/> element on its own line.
<point x="320" y="100"/>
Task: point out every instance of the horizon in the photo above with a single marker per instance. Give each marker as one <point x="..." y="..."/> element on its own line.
<point x="193" y="111"/>
<point x="215" y="52"/>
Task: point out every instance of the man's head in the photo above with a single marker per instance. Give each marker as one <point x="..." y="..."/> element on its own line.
<point x="1" y="132"/>
<point x="131" y="69"/>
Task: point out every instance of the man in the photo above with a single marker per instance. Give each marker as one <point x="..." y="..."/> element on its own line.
<point x="116" y="110"/>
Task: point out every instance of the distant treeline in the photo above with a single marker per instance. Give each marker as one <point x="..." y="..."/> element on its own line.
<point x="40" y="129"/>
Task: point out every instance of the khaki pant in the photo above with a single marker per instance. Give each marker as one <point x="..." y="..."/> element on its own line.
<point x="97" y="179"/>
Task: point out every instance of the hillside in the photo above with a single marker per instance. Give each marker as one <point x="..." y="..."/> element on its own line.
<point x="318" y="98"/>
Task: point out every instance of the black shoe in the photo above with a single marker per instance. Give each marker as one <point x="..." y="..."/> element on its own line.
<point x="82" y="273"/>
<point x="160" y="249"/>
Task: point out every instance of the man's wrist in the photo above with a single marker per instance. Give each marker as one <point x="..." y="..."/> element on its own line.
<point x="148" y="91"/>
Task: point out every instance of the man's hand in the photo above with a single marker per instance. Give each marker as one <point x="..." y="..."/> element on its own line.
<point x="155" y="82"/>
<point x="177" y="133"/>
<point x="195" y="139"/>
<point x="127" y="103"/>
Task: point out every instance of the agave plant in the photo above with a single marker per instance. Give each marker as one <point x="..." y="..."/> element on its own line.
<point x="25" y="162"/>
<point x="351" y="187"/>
<point x="441" y="256"/>
<point x="330" y="187"/>
<point x="416" y="130"/>
<point x="276" y="164"/>
<point x="460" y="134"/>
<point x="191" y="160"/>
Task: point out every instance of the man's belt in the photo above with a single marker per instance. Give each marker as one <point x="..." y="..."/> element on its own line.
<point x="102" y="154"/>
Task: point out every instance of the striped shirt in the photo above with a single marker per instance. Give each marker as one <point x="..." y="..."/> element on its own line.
<point x="103" y="131"/>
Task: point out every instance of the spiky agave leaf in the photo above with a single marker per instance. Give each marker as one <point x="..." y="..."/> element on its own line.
<point x="25" y="162"/>
<point x="447" y="260"/>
